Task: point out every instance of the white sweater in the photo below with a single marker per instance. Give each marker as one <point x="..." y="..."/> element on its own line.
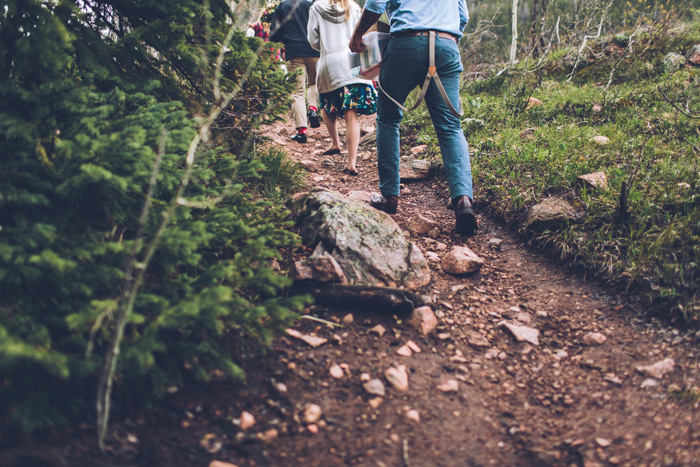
<point x="329" y="32"/>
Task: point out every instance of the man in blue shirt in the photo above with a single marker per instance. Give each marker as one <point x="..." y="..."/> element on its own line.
<point x="404" y="66"/>
<point x="289" y="27"/>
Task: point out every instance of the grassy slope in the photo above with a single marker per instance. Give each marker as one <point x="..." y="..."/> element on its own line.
<point x="654" y="149"/>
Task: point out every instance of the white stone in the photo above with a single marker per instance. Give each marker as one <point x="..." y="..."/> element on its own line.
<point x="594" y="338"/>
<point x="522" y="333"/>
<point x="461" y="260"/>
<point x="450" y="385"/>
<point x="312" y="413"/>
<point x="397" y="377"/>
<point x="659" y="369"/>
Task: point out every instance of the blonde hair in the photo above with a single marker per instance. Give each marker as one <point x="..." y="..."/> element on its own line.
<point x="345" y="5"/>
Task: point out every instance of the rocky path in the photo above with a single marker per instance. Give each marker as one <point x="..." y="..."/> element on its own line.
<point x="578" y="394"/>
<point x="596" y="382"/>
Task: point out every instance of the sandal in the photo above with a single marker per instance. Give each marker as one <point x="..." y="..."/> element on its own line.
<point x="330" y="152"/>
<point x="350" y="172"/>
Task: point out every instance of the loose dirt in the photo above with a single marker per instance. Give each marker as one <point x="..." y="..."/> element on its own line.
<point x="563" y="402"/>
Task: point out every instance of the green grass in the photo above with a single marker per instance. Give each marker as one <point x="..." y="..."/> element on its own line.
<point x="653" y="149"/>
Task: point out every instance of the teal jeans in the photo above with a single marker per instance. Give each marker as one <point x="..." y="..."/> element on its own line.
<point x="404" y="66"/>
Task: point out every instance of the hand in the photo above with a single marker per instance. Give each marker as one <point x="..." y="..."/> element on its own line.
<point x="356" y="44"/>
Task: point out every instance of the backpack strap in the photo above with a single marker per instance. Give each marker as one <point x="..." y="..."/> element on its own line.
<point x="432" y="74"/>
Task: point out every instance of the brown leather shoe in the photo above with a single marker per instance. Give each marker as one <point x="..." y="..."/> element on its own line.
<point x="464" y="212"/>
<point x="388" y="204"/>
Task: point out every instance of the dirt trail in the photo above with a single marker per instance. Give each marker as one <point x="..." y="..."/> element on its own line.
<point x="562" y="402"/>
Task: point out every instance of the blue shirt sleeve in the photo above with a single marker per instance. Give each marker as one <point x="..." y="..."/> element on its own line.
<point x="463" y="15"/>
<point x="376" y="6"/>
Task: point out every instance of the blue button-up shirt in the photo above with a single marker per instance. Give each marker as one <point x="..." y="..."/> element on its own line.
<point x="419" y="15"/>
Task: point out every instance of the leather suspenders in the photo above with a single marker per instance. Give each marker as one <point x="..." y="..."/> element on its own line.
<point x="432" y="75"/>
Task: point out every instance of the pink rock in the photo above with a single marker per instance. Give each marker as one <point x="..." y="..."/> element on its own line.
<point x="450" y="385"/>
<point x="659" y="369"/>
<point x="247" y="421"/>
<point x="423" y="320"/>
<point x="461" y="260"/>
<point x="594" y="338"/>
<point x="398" y="377"/>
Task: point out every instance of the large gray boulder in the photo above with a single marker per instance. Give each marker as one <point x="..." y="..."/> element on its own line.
<point x="367" y="244"/>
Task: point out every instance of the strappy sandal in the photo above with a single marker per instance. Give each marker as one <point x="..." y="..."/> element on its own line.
<point x="330" y="152"/>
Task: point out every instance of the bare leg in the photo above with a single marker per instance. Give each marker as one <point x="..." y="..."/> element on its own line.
<point x="352" y="135"/>
<point x="330" y="121"/>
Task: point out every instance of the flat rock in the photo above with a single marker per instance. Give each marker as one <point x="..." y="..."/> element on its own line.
<point x="411" y="169"/>
<point x="397" y="377"/>
<point x="657" y="370"/>
<point x="423" y="320"/>
<point x="313" y="341"/>
<point x="336" y="371"/>
<point x="601" y="140"/>
<point x="595" y="180"/>
<point x="461" y="260"/>
<point x="522" y="333"/>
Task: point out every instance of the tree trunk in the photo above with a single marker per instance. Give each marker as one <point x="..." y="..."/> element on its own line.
<point x="514" y="28"/>
<point x="533" y="29"/>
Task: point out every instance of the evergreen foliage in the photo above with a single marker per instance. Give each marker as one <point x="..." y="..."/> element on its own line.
<point x="96" y="99"/>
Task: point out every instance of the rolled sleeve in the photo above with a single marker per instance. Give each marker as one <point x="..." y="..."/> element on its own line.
<point x="376" y="6"/>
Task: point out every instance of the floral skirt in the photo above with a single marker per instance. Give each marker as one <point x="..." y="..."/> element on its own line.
<point x="359" y="97"/>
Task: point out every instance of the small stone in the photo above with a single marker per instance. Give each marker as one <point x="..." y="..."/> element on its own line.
<point x="601" y="140"/>
<point x="221" y="464"/>
<point x="364" y="377"/>
<point x="247" y="421"/>
<point x="495" y="244"/>
<point x="313" y="428"/>
<point x="595" y="180"/>
<point x="594" y="338"/>
<point x="312" y="413"/>
<point x="659" y="369"/>
<point x="522" y="333"/>
<point x="443" y="336"/>
<point x="336" y="372"/>
<point x="309" y="165"/>
<point x="461" y="260"/>
<point x="348" y="319"/>
<point x="673" y="388"/>
<point x="423" y="320"/>
<point x="597" y="108"/>
<point x="418" y="149"/>
<point x="541" y="314"/>
<point x="413" y="415"/>
<point x="374" y="387"/>
<point x="413" y="346"/>
<point x="450" y="385"/>
<point x="397" y="377"/>
<point x="421" y="225"/>
<point x="404" y="351"/>
<point x="649" y="383"/>
<point x="375" y="402"/>
<point x="611" y="378"/>
<point x="435" y="233"/>
<point x="603" y="443"/>
<point x="378" y="330"/>
<point x="269" y="435"/>
<point x="533" y="102"/>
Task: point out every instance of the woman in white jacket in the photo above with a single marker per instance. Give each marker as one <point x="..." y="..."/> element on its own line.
<point x="341" y="94"/>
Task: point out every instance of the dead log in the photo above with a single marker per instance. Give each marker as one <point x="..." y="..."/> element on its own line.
<point x="366" y="296"/>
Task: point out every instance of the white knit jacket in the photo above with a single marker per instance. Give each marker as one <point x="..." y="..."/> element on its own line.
<point x="329" y="32"/>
